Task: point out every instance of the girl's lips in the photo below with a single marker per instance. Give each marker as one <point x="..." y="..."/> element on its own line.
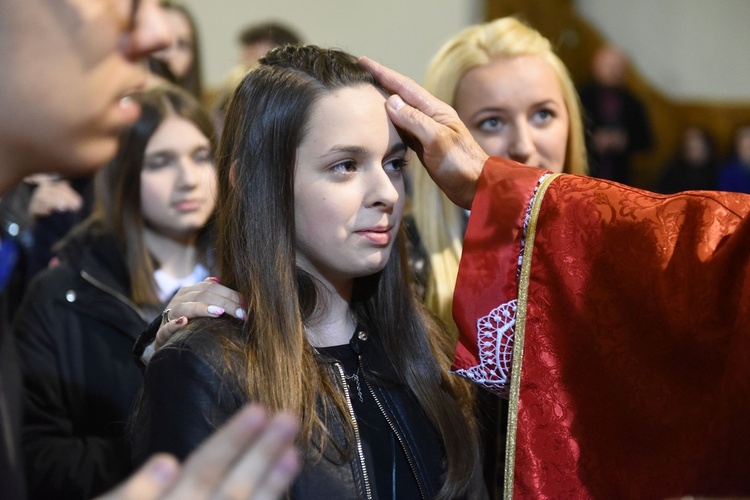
<point x="377" y="236"/>
<point x="187" y="205"/>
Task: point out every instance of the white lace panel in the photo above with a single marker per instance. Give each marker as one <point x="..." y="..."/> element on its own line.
<point x="496" y="331"/>
<point x="495" y="335"/>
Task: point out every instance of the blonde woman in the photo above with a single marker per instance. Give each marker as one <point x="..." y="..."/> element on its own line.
<point x="519" y="102"/>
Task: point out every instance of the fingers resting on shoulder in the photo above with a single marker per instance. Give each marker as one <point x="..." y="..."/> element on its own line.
<point x="206" y="299"/>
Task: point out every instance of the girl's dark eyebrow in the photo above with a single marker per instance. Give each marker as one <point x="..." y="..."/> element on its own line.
<point x="161" y="153"/>
<point x="398" y="147"/>
<point x="355" y="150"/>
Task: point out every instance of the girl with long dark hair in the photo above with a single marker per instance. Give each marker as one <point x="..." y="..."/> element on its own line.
<point x="311" y="195"/>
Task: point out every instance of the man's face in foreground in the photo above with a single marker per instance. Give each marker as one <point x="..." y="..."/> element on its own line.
<point x="67" y="65"/>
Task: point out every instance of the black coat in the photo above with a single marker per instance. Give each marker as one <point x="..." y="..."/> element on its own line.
<point x="629" y="115"/>
<point x="188" y="393"/>
<point x="11" y="466"/>
<point x="75" y="330"/>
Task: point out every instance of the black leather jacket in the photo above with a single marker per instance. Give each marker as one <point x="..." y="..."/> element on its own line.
<point x="188" y="394"/>
<point x="75" y="331"/>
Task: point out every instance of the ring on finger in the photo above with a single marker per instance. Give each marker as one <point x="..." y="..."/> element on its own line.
<point x="165" y="315"/>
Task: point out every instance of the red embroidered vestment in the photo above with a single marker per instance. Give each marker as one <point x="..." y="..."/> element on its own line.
<point x="619" y="320"/>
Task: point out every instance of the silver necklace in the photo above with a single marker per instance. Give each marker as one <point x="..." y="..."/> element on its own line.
<point x="355" y="376"/>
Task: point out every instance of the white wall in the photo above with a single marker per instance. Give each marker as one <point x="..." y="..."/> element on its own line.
<point x="384" y="30"/>
<point x="692" y="49"/>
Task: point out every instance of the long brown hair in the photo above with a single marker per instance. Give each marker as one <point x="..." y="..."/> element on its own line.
<point x="118" y="184"/>
<point x="267" y="120"/>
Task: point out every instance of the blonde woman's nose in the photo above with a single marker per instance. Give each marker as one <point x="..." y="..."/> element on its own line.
<point x="520" y="143"/>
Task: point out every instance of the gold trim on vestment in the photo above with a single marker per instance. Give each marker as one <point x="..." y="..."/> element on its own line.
<point x="515" y="380"/>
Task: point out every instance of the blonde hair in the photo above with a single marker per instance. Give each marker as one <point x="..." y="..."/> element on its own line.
<point x="439" y="222"/>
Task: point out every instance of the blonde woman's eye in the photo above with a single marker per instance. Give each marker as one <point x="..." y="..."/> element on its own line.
<point x="544" y="115"/>
<point x="489" y="124"/>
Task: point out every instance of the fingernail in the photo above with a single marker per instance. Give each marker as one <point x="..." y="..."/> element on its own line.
<point x="396" y="102"/>
<point x="240" y="313"/>
<point x="215" y="310"/>
<point x="214" y="279"/>
<point x="181" y="320"/>
<point x="163" y="471"/>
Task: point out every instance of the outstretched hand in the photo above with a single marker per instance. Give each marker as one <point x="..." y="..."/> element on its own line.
<point x="443" y="143"/>
<point x="251" y="457"/>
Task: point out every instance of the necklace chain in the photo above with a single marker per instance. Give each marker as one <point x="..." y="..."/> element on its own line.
<point x="355" y="376"/>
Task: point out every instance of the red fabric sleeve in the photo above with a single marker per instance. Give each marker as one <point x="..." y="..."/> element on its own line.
<point x="487" y="275"/>
<point x="635" y="379"/>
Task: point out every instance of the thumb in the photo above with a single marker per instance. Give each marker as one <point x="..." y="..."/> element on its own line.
<point x="167" y="330"/>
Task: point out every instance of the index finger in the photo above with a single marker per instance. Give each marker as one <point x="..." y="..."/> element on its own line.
<point x="206" y="299"/>
<point x="409" y="90"/>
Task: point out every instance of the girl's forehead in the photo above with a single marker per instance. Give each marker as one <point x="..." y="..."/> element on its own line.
<point x="352" y="118"/>
<point x="360" y="103"/>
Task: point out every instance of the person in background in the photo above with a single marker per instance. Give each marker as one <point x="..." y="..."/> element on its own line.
<point x="734" y="175"/>
<point x="182" y="57"/>
<point x="694" y="167"/>
<point x="311" y="199"/>
<point x="68" y="68"/>
<point x="617" y="122"/>
<point x="36" y="214"/>
<point x="518" y="101"/>
<point x="255" y="40"/>
<point x="55" y="204"/>
<point x="79" y="320"/>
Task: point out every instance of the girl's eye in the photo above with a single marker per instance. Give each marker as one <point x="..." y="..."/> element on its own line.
<point x="490" y="124"/>
<point x="156" y="162"/>
<point x="203" y="156"/>
<point x="345" y="167"/>
<point x="395" y="165"/>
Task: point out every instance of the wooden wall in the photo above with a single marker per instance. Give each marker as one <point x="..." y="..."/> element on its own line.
<point x="576" y="41"/>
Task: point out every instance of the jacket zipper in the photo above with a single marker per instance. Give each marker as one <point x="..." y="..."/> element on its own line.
<point x="107" y="289"/>
<point x="358" y="439"/>
<point x="393" y="428"/>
